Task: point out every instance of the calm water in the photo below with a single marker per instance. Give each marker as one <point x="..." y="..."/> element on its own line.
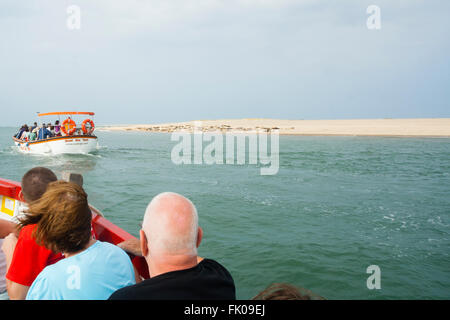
<point x="336" y="206"/>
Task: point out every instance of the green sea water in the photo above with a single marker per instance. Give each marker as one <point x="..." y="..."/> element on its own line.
<point x="336" y="206"/>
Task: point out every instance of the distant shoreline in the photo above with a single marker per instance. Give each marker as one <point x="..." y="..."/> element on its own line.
<point x="424" y="127"/>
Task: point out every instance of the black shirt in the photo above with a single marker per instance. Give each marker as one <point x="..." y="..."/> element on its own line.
<point x="208" y="280"/>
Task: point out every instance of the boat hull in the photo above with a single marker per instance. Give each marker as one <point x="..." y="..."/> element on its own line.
<point x="59" y="145"/>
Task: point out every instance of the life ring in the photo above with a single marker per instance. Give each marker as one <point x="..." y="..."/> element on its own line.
<point x="68" y="127"/>
<point x="86" y="130"/>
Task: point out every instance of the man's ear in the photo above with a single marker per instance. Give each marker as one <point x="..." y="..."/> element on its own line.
<point x="199" y="236"/>
<point x="21" y="197"/>
<point x="143" y="242"/>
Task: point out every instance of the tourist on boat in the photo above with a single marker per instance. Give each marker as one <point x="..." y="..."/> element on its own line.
<point x="33" y="127"/>
<point x="25" y="134"/>
<point x="34" y="133"/>
<point x="57" y="130"/>
<point x="50" y="130"/>
<point x="32" y="136"/>
<point x="43" y="133"/>
<point x="6" y="227"/>
<point x="21" y="130"/>
<point x="36" y="129"/>
<point x="91" y="269"/>
<point x="169" y="240"/>
<point x="27" y="258"/>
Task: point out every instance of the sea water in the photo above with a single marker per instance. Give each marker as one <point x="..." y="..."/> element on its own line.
<point x="336" y="206"/>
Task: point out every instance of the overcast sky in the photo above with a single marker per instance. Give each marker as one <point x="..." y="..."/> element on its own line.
<point x="178" y="60"/>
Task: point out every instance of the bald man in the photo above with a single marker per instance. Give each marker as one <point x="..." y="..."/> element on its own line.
<point x="169" y="240"/>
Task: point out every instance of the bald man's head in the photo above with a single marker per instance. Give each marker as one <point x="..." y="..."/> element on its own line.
<point x="171" y="225"/>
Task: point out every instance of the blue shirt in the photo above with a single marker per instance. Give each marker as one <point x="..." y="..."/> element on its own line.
<point x="93" y="274"/>
<point x="19" y="134"/>
<point x="43" y="133"/>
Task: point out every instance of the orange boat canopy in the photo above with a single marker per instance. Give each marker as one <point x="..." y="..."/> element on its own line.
<point x="65" y="112"/>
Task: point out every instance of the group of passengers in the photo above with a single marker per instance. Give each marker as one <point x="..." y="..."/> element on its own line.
<point x="53" y="254"/>
<point x="41" y="132"/>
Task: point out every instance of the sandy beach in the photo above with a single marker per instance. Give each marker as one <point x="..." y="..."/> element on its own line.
<point x="439" y="127"/>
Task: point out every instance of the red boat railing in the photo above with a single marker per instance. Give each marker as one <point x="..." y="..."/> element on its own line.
<point x="105" y="230"/>
<point x="10" y="188"/>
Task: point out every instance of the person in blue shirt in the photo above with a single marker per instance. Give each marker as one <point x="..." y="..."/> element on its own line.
<point x="91" y="269"/>
<point x="21" y="130"/>
<point x="43" y="133"/>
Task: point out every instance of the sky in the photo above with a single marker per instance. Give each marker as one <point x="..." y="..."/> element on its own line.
<point x="154" y="61"/>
